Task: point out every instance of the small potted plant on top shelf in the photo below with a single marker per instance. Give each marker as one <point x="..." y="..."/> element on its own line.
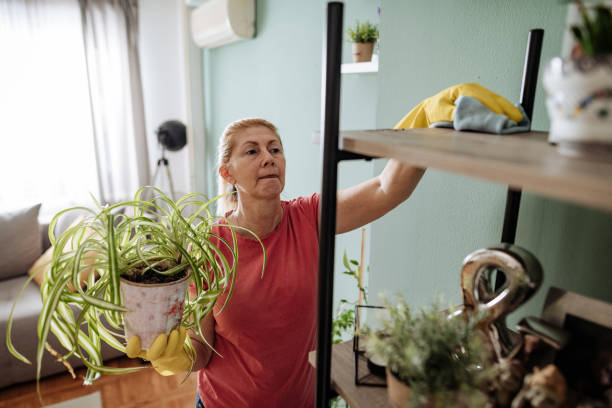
<point x="363" y="36"/>
<point x="133" y="248"/>
<point x="579" y="88"/>
<point x="432" y="360"/>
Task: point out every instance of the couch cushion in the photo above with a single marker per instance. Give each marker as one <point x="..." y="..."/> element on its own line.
<point x="25" y="338"/>
<point x="42" y="264"/>
<point x="21" y="242"/>
<point x="23" y="333"/>
<point x="44" y="235"/>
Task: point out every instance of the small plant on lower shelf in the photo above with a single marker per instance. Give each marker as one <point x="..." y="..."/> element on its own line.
<point x="83" y="299"/>
<point x="440" y="358"/>
<point x="344" y="321"/>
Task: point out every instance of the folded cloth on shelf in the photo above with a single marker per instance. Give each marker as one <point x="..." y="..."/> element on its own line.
<point x="471" y="114"/>
<point x="468" y="106"/>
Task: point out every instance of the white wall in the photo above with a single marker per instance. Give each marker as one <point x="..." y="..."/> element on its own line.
<point x="164" y="72"/>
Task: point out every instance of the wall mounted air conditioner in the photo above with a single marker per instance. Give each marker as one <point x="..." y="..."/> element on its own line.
<point x="220" y="22"/>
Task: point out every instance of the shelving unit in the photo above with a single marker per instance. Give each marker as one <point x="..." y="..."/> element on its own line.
<point x="524" y="160"/>
<point x="360" y="67"/>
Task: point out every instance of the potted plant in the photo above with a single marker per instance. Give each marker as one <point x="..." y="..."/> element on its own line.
<point x="579" y="88"/>
<point x="154" y="244"/>
<point x="434" y="357"/>
<point x="363" y="36"/>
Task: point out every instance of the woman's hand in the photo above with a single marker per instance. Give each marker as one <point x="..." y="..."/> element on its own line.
<point x="168" y="354"/>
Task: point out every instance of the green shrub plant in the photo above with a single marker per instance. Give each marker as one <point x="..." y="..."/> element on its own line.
<point x="363" y="32"/>
<point x="437" y="353"/>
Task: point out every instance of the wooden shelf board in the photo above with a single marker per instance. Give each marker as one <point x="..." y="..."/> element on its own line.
<point x="343" y="378"/>
<point x="524" y="160"/>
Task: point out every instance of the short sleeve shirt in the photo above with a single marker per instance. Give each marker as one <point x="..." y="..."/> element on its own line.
<point x="269" y="325"/>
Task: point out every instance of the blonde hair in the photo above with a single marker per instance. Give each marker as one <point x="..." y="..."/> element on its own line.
<point x="224" y="152"/>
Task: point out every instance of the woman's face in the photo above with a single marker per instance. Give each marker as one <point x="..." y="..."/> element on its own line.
<point x="257" y="163"/>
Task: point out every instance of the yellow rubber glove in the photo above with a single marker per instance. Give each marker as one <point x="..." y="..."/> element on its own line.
<point x="168" y="354"/>
<point x="441" y="107"/>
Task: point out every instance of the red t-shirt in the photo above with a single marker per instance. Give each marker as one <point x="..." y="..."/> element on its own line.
<point x="269" y="325"/>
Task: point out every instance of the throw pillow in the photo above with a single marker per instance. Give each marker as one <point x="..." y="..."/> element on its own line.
<point x="20" y="240"/>
<point x="40" y="267"/>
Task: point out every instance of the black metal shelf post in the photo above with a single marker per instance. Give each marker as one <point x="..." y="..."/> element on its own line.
<point x="528" y="90"/>
<point x="327" y="233"/>
<point x="332" y="155"/>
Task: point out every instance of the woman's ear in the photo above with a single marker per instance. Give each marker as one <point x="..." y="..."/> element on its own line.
<point x="224" y="173"/>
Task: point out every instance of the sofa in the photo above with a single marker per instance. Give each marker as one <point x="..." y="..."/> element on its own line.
<point x="23" y="242"/>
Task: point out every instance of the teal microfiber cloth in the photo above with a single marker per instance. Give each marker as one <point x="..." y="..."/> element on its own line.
<point x="471" y="114"/>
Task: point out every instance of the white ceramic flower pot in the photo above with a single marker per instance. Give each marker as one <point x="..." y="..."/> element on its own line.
<point x="579" y="104"/>
<point x="153" y="308"/>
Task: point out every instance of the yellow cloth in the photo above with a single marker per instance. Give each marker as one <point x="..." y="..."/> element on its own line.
<point x="168" y="354"/>
<point x="441" y="107"/>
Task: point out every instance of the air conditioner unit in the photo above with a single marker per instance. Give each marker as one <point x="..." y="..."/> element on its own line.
<point x="220" y="22"/>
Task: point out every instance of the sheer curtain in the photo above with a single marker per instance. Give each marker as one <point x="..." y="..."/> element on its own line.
<point x="71" y="125"/>
<point x="110" y="33"/>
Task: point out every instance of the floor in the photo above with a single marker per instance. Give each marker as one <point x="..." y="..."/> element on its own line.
<point x="145" y="388"/>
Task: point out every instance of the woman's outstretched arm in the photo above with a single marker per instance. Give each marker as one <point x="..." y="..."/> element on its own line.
<point x="370" y="200"/>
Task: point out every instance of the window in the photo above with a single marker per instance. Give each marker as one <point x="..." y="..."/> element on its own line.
<point x="46" y="134"/>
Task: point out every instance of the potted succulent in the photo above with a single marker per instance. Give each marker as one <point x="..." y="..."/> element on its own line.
<point x="433" y="357"/>
<point x="147" y="244"/>
<point x="579" y="88"/>
<point x="363" y="36"/>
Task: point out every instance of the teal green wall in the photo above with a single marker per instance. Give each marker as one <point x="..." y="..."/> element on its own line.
<point x="277" y="76"/>
<point x="427" y="45"/>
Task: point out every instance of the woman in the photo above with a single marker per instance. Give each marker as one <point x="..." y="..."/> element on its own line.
<point x="267" y="329"/>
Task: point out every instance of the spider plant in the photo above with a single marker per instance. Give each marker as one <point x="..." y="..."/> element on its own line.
<point x="116" y="241"/>
<point x="594" y="35"/>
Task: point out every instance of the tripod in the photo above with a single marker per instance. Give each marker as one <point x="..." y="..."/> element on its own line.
<point x="164" y="162"/>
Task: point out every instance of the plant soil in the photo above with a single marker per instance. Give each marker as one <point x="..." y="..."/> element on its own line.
<point x="137" y="275"/>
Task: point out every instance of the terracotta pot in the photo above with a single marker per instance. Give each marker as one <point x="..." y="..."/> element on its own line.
<point x="397" y="391"/>
<point x="153" y="308"/>
<point x="579" y="104"/>
<point x="362" y="52"/>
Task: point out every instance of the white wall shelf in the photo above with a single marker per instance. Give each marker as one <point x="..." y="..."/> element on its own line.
<point x="360" y="67"/>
